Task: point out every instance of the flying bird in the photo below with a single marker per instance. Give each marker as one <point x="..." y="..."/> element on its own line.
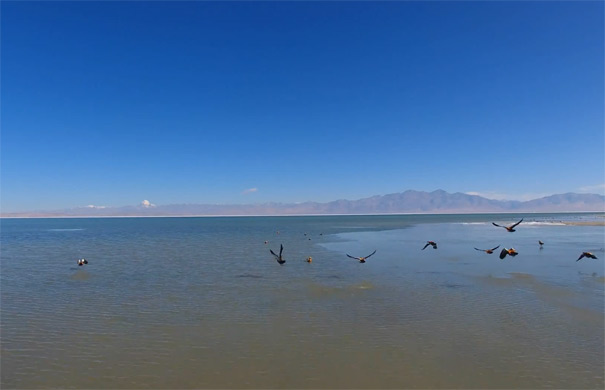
<point x="488" y="251"/>
<point x="586" y="254"/>
<point x="541" y="243"/>
<point x="279" y="258"/>
<point x="510" y="252"/>
<point x="432" y="243"/>
<point x="361" y="259"/>
<point x="510" y="228"/>
<point x="81" y="262"/>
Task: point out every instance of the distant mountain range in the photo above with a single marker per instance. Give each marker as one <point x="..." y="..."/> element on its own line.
<point x="408" y="202"/>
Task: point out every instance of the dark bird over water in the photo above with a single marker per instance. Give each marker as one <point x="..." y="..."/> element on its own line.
<point x="510" y="228"/>
<point x="81" y="262"/>
<point x="541" y="243"/>
<point x="488" y="251"/>
<point x="586" y="254"/>
<point x="432" y="243"/>
<point x="510" y="252"/>
<point x="279" y="258"/>
<point x="361" y="259"/>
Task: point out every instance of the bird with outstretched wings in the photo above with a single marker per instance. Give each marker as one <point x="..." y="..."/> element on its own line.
<point x="586" y="254"/>
<point x="279" y="257"/>
<point x="488" y="251"/>
<point x="511" y="252"/>
<point x="431" y="243"/>
<point x="361" y="259"/>
<point x="510" y="228"/>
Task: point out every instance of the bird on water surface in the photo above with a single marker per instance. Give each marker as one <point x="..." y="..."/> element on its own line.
<point x="586" y="254"/>
<point x="279" y="258"/>
<point x="361" y="259"/>
<point x="488" y="251"/>
<point x="81" y="262"/>
<point x="510" y="228"/>
<point x="432" y="243"/>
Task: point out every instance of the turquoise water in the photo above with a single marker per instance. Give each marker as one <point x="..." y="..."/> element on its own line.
<point x="201" y="303"/>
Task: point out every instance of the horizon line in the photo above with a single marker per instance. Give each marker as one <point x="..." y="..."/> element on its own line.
<point x="292" y="215"/>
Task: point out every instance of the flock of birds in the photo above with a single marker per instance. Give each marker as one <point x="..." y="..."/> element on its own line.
<point x="503" y="253"/>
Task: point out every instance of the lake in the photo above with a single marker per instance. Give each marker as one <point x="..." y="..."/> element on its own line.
<point x="201" y="302"/>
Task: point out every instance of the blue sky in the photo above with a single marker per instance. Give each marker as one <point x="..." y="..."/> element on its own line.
<point x="110" y="103"/>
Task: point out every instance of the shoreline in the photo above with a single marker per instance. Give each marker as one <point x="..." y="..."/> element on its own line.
<point x="598" y="214"/>
<point x="584" y="223"/>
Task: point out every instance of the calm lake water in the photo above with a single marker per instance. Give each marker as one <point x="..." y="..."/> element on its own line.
<point x="201" y="303"/>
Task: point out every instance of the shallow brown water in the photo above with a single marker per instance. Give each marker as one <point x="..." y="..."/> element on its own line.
<point x="213" y="310"/>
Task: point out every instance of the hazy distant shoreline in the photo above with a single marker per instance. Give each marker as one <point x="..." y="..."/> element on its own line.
<point x="572" y="223"/>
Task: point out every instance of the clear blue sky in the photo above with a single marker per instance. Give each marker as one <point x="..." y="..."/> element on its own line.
<point x="110" y="103"/>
